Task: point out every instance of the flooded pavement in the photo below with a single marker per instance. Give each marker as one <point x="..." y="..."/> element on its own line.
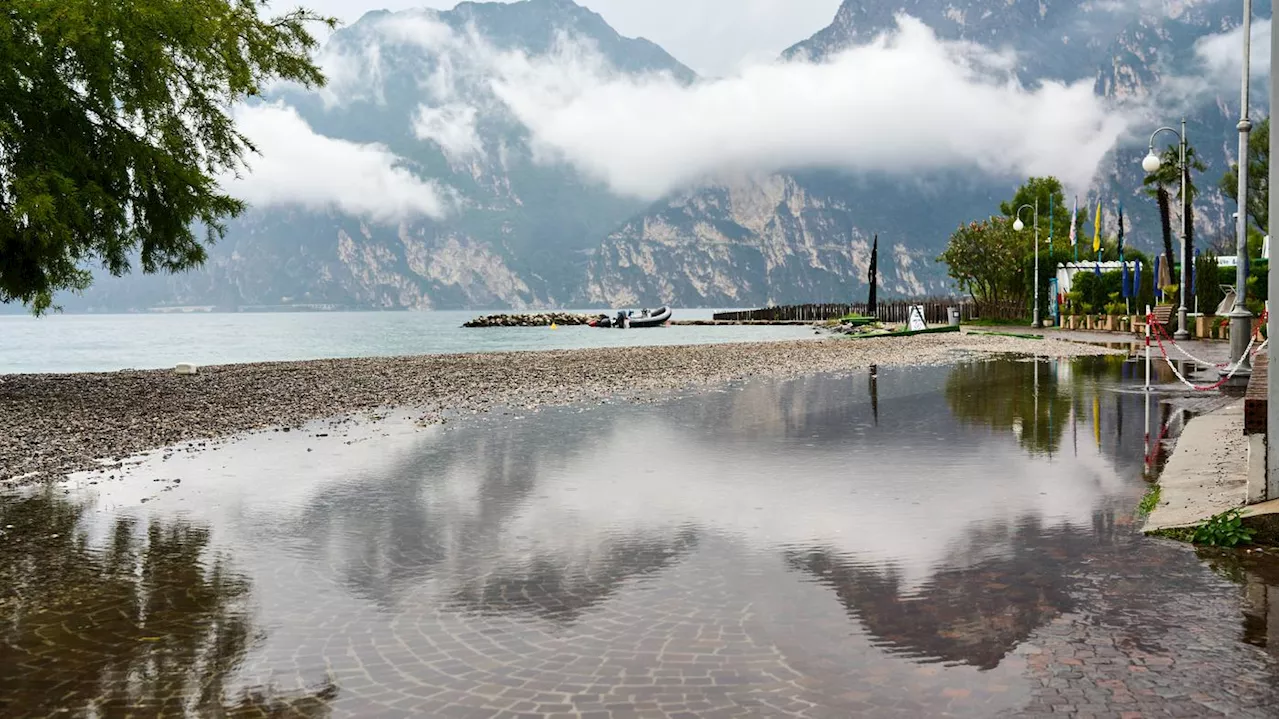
<point x="955" y="541"/>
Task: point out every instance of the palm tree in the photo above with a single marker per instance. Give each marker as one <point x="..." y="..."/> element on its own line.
<point x="1159" y="184"/>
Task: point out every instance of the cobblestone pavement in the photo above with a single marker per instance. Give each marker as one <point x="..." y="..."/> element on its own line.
<point x="788" y="553"/>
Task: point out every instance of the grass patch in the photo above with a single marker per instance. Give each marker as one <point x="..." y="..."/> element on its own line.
<point x="1009" y="334"/>
<point x="856" y="320"/>
<point x="905" y="333"/>
<point x="1149" y="500"/>
<point x="990" y="322"/>
<point x="1181" y="534"/>
<point x="1221" y="530"/>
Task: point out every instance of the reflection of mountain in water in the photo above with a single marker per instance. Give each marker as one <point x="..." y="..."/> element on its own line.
<point x="150" y="620"/>
<point x="446" y="513"/>
<point x="972" y="610"/>
<point x="525" y="517"/>
<point x="560" y="588"/>
<point x="449" y="503"/>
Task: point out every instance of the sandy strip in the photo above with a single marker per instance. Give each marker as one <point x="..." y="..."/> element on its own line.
<point x="53" y="424"/>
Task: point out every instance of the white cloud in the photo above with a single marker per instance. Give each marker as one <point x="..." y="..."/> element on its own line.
<point x="299" y="167"/>
<point x="452" y="127"/>
<point x="908" y="103"/>
<point x="710" y="36"/>
<point x="1221" y="53"/>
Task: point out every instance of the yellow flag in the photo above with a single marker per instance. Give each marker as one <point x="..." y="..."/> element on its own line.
<point x="1097" y="229"/>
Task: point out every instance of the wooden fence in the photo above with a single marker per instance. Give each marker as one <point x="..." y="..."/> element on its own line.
<point x="935" y="311"/>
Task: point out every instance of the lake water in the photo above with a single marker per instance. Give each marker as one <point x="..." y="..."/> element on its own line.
<point x="92" y="343"/>
<point x="943" y="541"/>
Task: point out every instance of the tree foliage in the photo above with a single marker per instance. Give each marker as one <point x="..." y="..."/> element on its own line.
<point x="1259" y="178"/>
<point x="1047" y="191"/>
<point x="986" y="259"/>
<point x="115" y="122"/>
<point x="1162" y="185"/>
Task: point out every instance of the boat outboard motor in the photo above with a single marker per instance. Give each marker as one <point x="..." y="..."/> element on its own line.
<point x="621" y="321"/>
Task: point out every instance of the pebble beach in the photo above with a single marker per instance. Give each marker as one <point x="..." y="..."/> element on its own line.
<point x="54" y="424"/>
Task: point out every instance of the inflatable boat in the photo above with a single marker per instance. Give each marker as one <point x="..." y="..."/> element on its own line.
<point x="627" y="318"/>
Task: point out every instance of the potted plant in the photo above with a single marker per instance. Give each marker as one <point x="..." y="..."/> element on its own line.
<point x="1114" y="309"/>
<point x="1205" y="325"/>
<point x="1087" y="310"/>
<point x="1074" y="300"/>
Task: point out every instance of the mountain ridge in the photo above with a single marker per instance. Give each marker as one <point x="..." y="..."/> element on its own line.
<point x="524" y="232"/>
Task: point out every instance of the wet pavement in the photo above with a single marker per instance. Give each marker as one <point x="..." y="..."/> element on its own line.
<point x="945" y="541"/>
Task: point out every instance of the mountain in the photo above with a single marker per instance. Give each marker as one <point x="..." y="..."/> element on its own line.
<point x="805" y="236"/>
<point x="522" y="230"/>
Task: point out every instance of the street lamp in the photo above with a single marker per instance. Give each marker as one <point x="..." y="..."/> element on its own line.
<point x="1151" y="163"/>
<point x="1241" y="318"/>
<point x="1018" y="226"/>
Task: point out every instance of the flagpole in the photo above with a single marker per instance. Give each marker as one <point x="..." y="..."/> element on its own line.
<point x="1053" y="299"/>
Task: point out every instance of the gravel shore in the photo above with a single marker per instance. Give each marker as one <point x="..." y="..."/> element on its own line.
<point x="54" y="424"/>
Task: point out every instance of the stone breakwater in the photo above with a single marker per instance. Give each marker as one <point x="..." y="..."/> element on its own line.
<point x="537" y="319"/>
<point x="52" y="424"/>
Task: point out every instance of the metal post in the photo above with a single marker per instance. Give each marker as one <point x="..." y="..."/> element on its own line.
<point x="1035" y="221"/>
<point x="1185" y="286"/>
<point x="1241" y="318"/>
<point x="1273" y="253"/>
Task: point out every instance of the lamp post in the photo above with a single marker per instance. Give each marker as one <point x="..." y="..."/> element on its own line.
<point x="1151" y="163"/>
<point x="1241" y="318"/>
<point x="1273" y="242"/>
<point x="1018" y="226"/>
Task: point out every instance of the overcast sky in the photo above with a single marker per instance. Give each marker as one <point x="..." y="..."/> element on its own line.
<point x="711" y="36"/>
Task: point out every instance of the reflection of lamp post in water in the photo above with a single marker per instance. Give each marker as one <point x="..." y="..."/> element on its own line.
<point x="1018" y="227"/>
<point x="875" y="396"/>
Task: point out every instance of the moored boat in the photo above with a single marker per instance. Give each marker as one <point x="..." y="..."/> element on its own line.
<point x="626" y="318"/>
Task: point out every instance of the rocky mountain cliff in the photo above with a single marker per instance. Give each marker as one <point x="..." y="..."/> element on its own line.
<point x="801" y="236"/>
<point x="522" y="231"/>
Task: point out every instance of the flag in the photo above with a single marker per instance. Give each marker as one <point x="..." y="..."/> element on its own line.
<point x="1137" y="277"/>
<point x="1155" y="279"/>
<point x="1075" y="210"/>
<point x="1097" y="229"/>
<point x="1121" y="230"/>
<point x="1124" y="268"/>
<point x="1193" y="272"/>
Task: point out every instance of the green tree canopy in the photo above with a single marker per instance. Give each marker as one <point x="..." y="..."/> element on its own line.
<point x="114" y="124"/>
<point x="1166" y="175"/>
<point x="1259" y="179"/>
<point x="987" y="260"/>
<point x="1048" y="192"/>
